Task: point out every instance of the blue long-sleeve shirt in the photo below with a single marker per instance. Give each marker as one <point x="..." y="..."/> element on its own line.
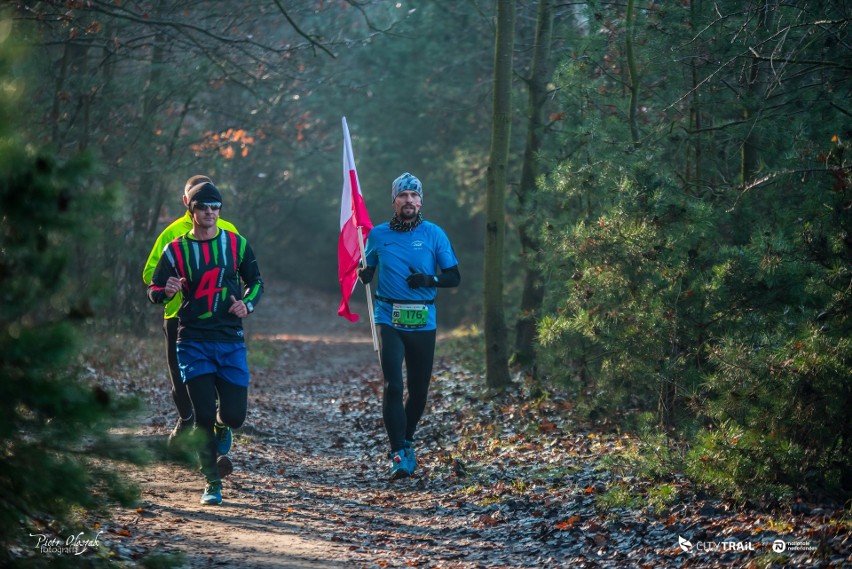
<point x="425" y="249"/>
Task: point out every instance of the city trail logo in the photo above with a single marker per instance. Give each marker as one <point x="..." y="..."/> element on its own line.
<point x="73" y="544"/>
<point x="713" y="546"/>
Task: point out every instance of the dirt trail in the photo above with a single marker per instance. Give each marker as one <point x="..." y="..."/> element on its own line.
<point x="281" y="505"/>
<point x="310" y="489"/>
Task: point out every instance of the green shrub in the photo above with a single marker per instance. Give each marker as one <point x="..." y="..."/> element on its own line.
<point x="58" y="458"/>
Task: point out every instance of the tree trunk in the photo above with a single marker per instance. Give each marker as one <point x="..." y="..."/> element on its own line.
<point x="533" y="292"/>
<point x="496" y="349"/>
<point x="749" y="155"/>
<point x="634" y="74"/>
<point x="149" y="171"/>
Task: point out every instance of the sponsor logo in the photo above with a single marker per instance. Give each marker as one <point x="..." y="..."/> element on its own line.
<point x="417" y="244"/>
<point x="778" y="546"/>
<point x="781" y="545"/>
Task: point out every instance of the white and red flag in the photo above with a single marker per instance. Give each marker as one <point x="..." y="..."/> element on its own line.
<point x="353" y="214"/>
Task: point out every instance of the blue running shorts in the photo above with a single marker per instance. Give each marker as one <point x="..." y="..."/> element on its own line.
<point x="224" y="359"/>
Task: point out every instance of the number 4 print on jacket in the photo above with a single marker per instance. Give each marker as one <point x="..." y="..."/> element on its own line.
<point x="211" y="272"/>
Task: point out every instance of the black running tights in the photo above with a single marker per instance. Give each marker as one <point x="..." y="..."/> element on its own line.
<point x="179" y="393"/>
<point x="417" y="349"/>
<point x="233" y="401"/>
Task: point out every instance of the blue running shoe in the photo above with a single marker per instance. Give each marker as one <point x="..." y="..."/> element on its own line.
<point x="224" y="439"/>
<point x="410" y="455"/>
<point x="399" y="465"/>
<point x="212" y="493"/>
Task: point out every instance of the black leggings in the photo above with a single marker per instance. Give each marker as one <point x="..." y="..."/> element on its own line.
<point x="179" y="393"/>
<point x="233" y="400"/>
<point x="418" y="351"/>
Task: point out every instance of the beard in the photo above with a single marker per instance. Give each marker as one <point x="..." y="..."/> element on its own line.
<point x="402" y="221"/>
<point x="407" y="213"/>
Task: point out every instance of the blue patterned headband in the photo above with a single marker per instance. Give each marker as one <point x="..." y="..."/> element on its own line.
<point x="406" y="183"/>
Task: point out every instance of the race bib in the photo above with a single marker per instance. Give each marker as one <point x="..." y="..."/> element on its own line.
<point x="409" y="315"/>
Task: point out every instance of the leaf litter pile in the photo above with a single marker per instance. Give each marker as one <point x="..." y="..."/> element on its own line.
<point x="507" y="480"/>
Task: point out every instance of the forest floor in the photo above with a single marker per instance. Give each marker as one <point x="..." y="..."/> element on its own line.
<point x="509" y="481"/>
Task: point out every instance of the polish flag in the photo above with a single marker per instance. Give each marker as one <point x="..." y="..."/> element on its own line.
<point x="353" y="214"/>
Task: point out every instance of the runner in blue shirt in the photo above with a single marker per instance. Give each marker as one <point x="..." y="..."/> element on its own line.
<point x="409" y="253"/>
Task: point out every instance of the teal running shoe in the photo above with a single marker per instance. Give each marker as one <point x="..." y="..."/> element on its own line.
<point x="410" y="455"/>
<point x="212" y="493"/>
<point x="399" y="465"/>
<point x="224" y="439"/>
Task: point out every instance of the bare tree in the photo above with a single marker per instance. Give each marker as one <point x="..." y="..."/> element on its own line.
<point x="496" y="349"/>
<point x="533" y="292"/>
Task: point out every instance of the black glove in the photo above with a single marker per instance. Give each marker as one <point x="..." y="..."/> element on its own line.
<point x="418" y="280"/>
<point x="365" y="275"/>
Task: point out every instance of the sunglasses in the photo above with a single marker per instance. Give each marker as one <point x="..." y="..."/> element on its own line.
<point x="212" y="206"/>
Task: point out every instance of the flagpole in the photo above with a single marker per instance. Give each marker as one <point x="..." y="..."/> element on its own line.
<point x="369" y="295"/>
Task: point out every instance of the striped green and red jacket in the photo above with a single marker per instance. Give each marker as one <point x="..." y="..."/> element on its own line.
<point x="178" y="227"/>
<point x="213" y="270"/>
